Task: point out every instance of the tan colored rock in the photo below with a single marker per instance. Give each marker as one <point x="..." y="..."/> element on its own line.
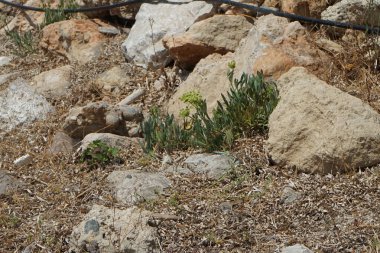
<point x="78" y="40"/>
<point x="274" y="46"/>
<point x="112" y="80"/>
<point x="320" y="129"/>
<point x="218" y="34"/>
<point x="209" y="78"/>
<point x="299" y="7"/>
<point x="53" y="83"/>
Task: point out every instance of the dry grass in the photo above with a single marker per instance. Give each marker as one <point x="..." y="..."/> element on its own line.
<point x="334" y="214"/>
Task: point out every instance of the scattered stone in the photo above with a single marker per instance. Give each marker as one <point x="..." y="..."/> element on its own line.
<point x="154" y="21"/>
<point x="113" y="79"/>
<point x="135" y="132"/>
<point x="213" y="165"/>
<point x="61" y="144"/>
<point x="109" y="30"/>
<point x="209" y="72"/>
<point x="218" y="34"/>
<point x="77" y="39"/>
<point x="53" y="83"/>
<point x="111" y="140"/>
<point x="94" y="117"/>
<point x="353" y="11"/>
<point x="226" y="207"/>
<point x="4" y="60"/>
<point x="133" y="186"/>
<point x="298" y="248"/>
<point x="114" y="230"/>
<point x="136" y="94"/>
<point x="289" y="195"/>
<point x="131" y="113"/>
<point x="23" y="160"/>
<point x="7" y="183"/>
<point x="20" y="104"/>
<point x="330" y="46"/>
<point x="319" y="128"/>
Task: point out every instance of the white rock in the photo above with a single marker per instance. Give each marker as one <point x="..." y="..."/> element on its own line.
<point x="111" y="140"/>
<point x="23" y="160"/>
<point x="114" y="230"/>
<point x="4" y="60"/>
<point x="298" y="248"/>
<point x="20" y="104"/>
<point x="154" y="21"/>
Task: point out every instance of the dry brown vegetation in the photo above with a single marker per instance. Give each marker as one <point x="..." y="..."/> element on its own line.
<point x="338" y="213"/>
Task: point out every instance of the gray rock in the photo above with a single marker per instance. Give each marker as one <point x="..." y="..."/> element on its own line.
<point x="319" y="128"/>
<point x="109" y="30"/>
<point x="135" y="132"/>
<point x="4" y="60"/>
<point x="61" y="143"/>
<point x="54" y="83"/>
<point x="114" y="230"/>
<point x="20" y="104"/>
<point x="23" y="160"/>
<point x="131" y="113"/>
<point x="7" y="183"/>
<point x="111" y="140"/>
<point x="154" y="21"/>
<point x="134" y="186"/>
<point x="298" y="248"/>
<point x="289" y="195"/>
<point x="94" y="117"/>
<point x="213" y="165"/>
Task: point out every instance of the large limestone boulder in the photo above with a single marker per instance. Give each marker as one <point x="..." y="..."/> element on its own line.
<point x="78" y="40"/>
<point x="144" y="45"/>
<point x="319" y="128"/>
<point x="20" y="104"/>
<point x="274" y="45"/>
<point x="354" y="11"/>
<point x="114" y="230"/>
<point x="54" y="83"/>
<point x="209" y="78"/>
<point x="218" y="34"/>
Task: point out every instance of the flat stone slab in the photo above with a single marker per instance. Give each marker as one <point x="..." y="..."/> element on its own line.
<point x="134" y="186"/>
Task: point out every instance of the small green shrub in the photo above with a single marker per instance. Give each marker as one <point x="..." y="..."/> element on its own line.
<point x="244" y="111"/>
<point x="24" y="42"/>
<point x="162" y="133"/>
<point x="52" y="16"/>
<point x="99" y="153"/>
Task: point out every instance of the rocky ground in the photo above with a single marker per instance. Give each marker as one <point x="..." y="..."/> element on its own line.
<point x="311" y="184"/>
